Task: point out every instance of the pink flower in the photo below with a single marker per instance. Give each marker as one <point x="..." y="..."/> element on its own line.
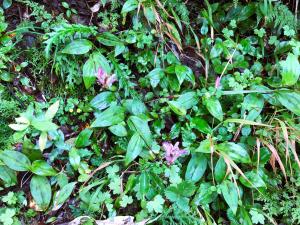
<point x="104" y="79"/>
<point x="172" y="152"/>
<point x="218" y="82"/>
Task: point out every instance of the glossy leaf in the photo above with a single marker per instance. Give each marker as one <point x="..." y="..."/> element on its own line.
<point x="290" y="100"/>
<point x="134" y="148"/>
<point x="42" y="168"/>
<point x="290" y="70"/>
<point x="254" y="180"/>
<point x="40" y="190"/>
<point x="230" y="195"/>
<point x="78" y="47"/>
<point x="8" y="176"/>
<point x="196" y="167"/>
<point x="214" y="107"/>
<point x="118" y="130"/>
<point x="109" y="117"/>
<point x="220" y="170"/>
<point x="103" y="100"/>
<point x="234" y="151"/>
<point x="141" y="127"/>
<point x="62" y="195"/>
<point x="129" y="6"/>
<point x="83" y="139"/>
<point x="109" y="39"/>
<point x="15" y="160"/>
<point x="74" y="158"/>
<point x="201" y="125"/>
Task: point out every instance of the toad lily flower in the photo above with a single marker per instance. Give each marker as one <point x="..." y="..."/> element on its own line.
<point x="104" y="79"/>
<point x="172" y="152"/>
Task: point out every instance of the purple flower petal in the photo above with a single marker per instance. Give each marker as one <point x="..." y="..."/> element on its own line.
<point x="101" y="76"/>
<point x="218" y="82"/>
<point x="172" y="152"/>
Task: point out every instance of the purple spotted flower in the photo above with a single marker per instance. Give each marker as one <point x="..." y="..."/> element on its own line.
<point x="104" y="79"/>
<point x="172" y="152"/>
<point x="218" y="82"/>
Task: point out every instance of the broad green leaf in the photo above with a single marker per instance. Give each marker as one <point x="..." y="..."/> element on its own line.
<point x="234" y="151"/>
<point x="43" y="124"/>
<point x="201" y="125"/>
<point x="135" y="106"/>
<point x="18" y="127"/>
<point x="177" y="108"/>
<point x="230" y="194"/>
<point x="103" y="100"/>
<point x="141" y="127"/>
<point x="83" y="139"/>
<point x="184" y="73"/>
<point x="134" y="148"/>
<point x="30" y="150"/>
<point x="78" y="47"/>
<point x="74" y="158"/>
<point x="52" y="110"/>
<point x="204" y="146"/>
<point x="220" y="170"/>
<point x="205" y="194"/>
<point x="42" y="168"/>
<point x="290" y="70"/>
<point x="196" y="167"/>
<point x="119" y="49"/>
<point x="129" y="6"/>
<point x="15" y="160"/>
<point x="109" y="117"/>
<point x="188" y="100"/>
<point x="40" y="190"/>
<point x="90" y="68"/>
<point x="155" y="76"/>
<point x="118" y="130"/>
<point x="62" y="195"/>
<point x="109" y="39"/>
<point x="214" y="107"/>
<point x="290" y="100"/>
<point x="255" y="180"/>
<point x="43" y="141"/>
<point x="245" y="122"/>
<point x="150" y="14"/>
<point x="144" y="183"/>
<point x="8" y="176"/>
<point x="252" y="106"/>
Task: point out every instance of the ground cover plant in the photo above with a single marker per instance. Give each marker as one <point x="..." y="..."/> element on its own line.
<point x="163" y="112"/>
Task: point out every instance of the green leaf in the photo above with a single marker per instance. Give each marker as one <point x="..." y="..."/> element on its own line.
<point x="15" y="160"/>
<point x="234" y="151"/>
<point x="40" y="190"/>
<point x="150" y="14"/>
<point x="188" y="100"/>
<point x="118" y="130"/>
<point x="180" y="194"/>
<point x="126" y="200"/>
<point x="213" y="105"/>
<point x="43" y="124"/>
<point x="43" y="141"/>
<point x="155" y="76"/>
<point x="204" y="146"/>
<point x="220" y="170"/>
<point x="177" y="108"/>
<point x="255" y="180"/>
<point x="135" y="106"/>
<point x="201" y="125"/>
<point x="78" y="47"/>
<point x="52" y="110"/>
<point x="256" y="217"/>
<point x="290" y="100"/>
<point x="18" y="127"/>
<point x="42" y="168"/>
<point x="134" y="148"/>
<point x="109" y="39"/>
<point x="62" y="195"/>
<point x="184" y="73"/>
<point x="141" y="127"/>
<point x="91" y="66"/>
<point x="144" y="183"/>
<point x="196" y="167"/>
<point x="156" y="205"/>
<point x="109" y="117"/>
<point x="290" y="70"/>
<point x="129" y="6"/>
<point x="205" y="194"/>
<point x="83" y="139"/>
<point x="103" y="100"/>
<point x="8" y="176"/>
<point x="74" y="158"/>
<point x="252" y="106"/>
<point x="230" y="195"/>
